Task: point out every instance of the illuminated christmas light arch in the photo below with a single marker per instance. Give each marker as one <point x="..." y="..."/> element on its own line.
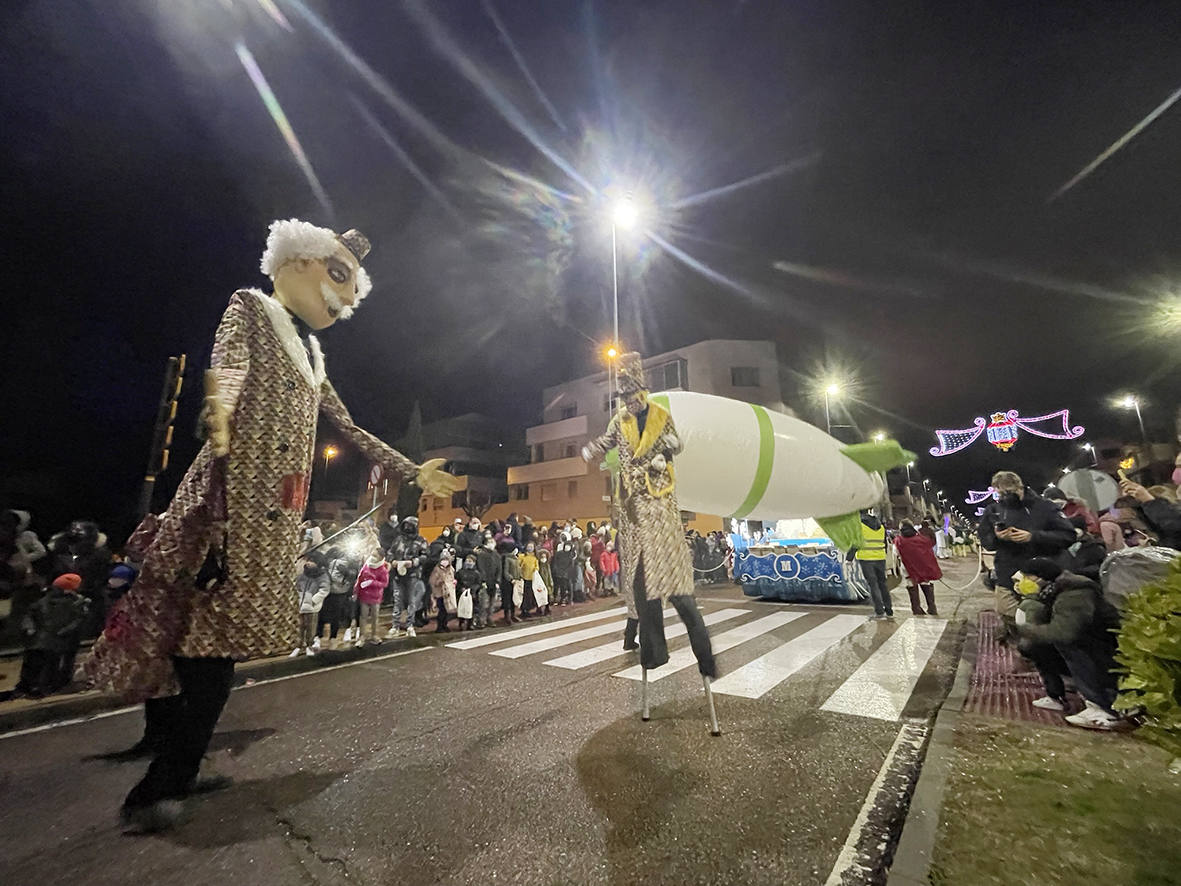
<point x="1002" y="431"/>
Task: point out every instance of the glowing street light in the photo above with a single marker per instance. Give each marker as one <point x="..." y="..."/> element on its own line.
<point x="611" y="353"/>
<point x="330" y="452"/>
<point x="1131" y="401"/>
<point x="879" y="436"/>
<point x="1091" y="449"/>
<point x="625" y="215"/>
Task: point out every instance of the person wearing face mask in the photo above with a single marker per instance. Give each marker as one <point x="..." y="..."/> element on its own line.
<point x="563" y="570"/>
<point x="312" y="588"/>
<point x="388" y="531"/>
<point x="407" y="554"/>
<point x="656" y="565"/>
<point x="469" y="539"/>
<point x="1067" y="627"/>
<point x="1019" y="526"/>
<point x="547" y="578"/>
<point x="218" y="565"/>
<point x="1162" y="515"/>
<point x="82" y="550"/>
<point x="510" y="578"/>
<point x="1071" y="507"/>
<point x="528" y="561"/>
<point x="489" y="564"/>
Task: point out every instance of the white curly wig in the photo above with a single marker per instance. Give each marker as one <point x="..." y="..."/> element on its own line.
<point x="292" y="239"/>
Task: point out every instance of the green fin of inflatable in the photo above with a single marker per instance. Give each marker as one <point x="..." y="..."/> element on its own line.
<point x="845" y="531"/>
<point x="879" y="456"/>
<point x="610" y="461"/>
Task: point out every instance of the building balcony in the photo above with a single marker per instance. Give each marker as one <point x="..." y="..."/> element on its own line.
<point x="558" y="469"/>
<point x="555" y="430"/>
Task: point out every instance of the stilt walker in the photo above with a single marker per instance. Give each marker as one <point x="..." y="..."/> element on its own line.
<point x="654" y="561"/>
<point x="216" y="585"/>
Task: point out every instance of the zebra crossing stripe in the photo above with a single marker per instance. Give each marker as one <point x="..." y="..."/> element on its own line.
<point x="587" y="657"/>
<point x="534" y="630"/>
<point x="684" y="658"/>
<point x="758" y="677"/>
<point x="881" y="687"/>
<point x="547" y="643"/>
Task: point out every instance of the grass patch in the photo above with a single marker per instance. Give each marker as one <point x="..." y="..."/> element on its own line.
<point x="1032" y="805"/>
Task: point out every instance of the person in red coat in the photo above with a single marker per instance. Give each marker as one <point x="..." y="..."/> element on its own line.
<point x="917" y="552"/>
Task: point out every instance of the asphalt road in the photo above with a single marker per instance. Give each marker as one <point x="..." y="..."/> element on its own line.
<point x="446" y="765"/>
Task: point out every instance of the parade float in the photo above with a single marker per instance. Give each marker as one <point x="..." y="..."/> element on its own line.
<point x="749" y="463"/>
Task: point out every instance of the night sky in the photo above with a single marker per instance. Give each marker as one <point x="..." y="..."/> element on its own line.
<point x="909" y="243"/>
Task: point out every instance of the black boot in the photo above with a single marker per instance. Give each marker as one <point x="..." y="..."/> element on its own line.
<point x="916" y="608"/>
<point x="929" y="593"/>
<point x="629" y="634"/>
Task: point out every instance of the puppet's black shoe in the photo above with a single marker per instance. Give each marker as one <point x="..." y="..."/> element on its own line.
<point x="163" y="815"/>
<point x="209" y="784"/>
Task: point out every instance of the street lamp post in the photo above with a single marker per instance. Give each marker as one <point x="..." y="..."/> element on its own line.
<point x="330" y="452"/>
<point x="1133" y="402"/>
<point x="831" y="391"/>
<point x="1091" y="449"/>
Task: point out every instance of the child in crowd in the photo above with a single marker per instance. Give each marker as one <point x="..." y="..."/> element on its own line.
<point x="467" y="581"/>
<point x="443" y="583"/>
<point x="609" y="564"/>
<point x="563" y="568"/>
<point x="52" y="627"/>
<point x="371" y="583"/>
<point x="312" y="589"/>
<point x="510" y="579"/>
<point x="547" y="578"/>
<point x="528" y="561"/>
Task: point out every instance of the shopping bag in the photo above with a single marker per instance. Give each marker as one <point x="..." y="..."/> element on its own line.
<point x="540" y="592"/>
<point x="518" y="591"/>
<point x="464" y="607"/>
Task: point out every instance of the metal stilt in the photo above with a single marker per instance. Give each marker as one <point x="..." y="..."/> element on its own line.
<point x="644" y="695"/>
<point x="714" y="730"/>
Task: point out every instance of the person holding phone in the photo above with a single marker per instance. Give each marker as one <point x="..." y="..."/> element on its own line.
<point x="1019" y="526"/>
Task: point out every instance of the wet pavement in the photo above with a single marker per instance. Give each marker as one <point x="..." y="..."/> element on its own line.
<point x="454" y="765"/>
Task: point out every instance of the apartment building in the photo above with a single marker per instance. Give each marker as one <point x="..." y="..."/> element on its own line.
<point x="557" y="484"/>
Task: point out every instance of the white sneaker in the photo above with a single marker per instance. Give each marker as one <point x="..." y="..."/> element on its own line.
<point x="359" y="643"/>
<point x="410" y="631"/>
<point x="316" y="644"/>
<point x="393" y="632"/>
<point x="295" y="652"/>
<point x="1048" y="704"/>
<point x="309" y="651"/>
<point x="348" y="635"/>
<point x="1093" y="717"/>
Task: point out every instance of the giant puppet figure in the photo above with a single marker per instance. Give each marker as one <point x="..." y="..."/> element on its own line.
<point x="655" y="562"/>
<point x="219" y="564"/>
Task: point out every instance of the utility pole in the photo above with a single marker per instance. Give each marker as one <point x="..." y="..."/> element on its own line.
<point x="174" y="377"/>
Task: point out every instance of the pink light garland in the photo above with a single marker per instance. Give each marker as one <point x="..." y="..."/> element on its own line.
<point x="953" y="440"/>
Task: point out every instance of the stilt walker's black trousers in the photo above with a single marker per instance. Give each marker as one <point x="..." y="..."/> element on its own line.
<point x="653" y="648"/>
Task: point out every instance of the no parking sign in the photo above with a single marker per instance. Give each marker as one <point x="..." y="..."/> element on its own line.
<point x="375" y="475"/>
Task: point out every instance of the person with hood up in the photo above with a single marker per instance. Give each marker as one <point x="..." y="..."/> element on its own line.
<point x="870" y="554"/>
<point x="312" y="588"/>
<point x="510" y="576"/>
<point x="563" y="569"/>
<point x="371" y="584"/>
<point x="528" y="561"/>
<point x="407" y="555"/>
<point x="388" y="531"/>
<point x="82" y="550"/>
<point x="598" y="542"/>
<point x="546" y="573"/>
<point x="120" y="580"/>
<point x="609" y="565"/>
<point x="1066" y="626"/>
<point x="922" y="569"/>
<point x="443" y="583"/>
<point x="1072" y="507"/>
<point x="468" y="582"/>
<point x="51" y="627"/>
<point x="338" y="608"/>
<point x="1019" y="526"/>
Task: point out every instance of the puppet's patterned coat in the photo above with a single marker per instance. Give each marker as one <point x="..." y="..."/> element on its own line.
<point x="252" y="500"/>
<point x="649" y="518"/>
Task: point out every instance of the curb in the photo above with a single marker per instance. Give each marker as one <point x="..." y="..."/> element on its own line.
<point x="91" y="703"/>
<point x="916" y="846"/>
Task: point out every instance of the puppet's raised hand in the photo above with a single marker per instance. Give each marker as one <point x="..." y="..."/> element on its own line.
<point x="215" y="417"/>
<point x="433" y="480"/>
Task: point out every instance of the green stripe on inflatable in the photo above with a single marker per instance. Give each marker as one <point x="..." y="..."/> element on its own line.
<point x="662" y="400"/>
<point x="766" y="462"/>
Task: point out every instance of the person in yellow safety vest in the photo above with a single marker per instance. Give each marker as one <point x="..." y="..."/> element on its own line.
<point x="870" y="554"/>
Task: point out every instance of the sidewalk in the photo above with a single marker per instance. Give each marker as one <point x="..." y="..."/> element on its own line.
<point x="1012" y="795"/>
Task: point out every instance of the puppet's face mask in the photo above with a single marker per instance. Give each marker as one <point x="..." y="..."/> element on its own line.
<point x="637" y="402"/>
<point x="320" y="291"/>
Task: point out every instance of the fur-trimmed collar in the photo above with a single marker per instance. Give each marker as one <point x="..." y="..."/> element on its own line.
<point x="312" y="372"/>
<point x="653" y="428"/>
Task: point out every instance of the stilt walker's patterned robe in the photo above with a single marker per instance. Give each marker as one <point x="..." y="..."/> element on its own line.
<point x="655" y="564"/>
<point x="248" y="504"/>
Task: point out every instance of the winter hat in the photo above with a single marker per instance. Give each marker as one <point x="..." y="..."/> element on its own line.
<point x="1053" y="493"/>
<point x="1043" y="568"/>
<point x="69" y="582"/>
<point x="122" y="575"/>
<point x="375" y="560"/>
